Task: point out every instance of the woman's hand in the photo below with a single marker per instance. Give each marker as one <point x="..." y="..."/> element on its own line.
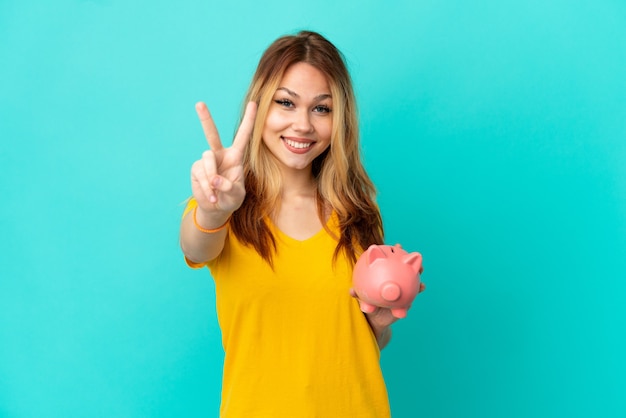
<point x="381" y="319"/>
<point x="217" y="180"/>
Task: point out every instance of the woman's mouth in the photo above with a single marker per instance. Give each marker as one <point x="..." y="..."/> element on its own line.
<point x="299" y="146"/>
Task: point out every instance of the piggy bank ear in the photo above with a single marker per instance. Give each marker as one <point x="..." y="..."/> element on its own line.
<point x="415" y="261"/>
<point x="374" y="252"/>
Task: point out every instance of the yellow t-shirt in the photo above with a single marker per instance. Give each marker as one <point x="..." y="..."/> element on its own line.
<point x="296" y="343"/>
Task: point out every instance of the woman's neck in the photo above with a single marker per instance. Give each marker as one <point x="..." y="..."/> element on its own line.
<point x="297" y="213"/>
<point x="297" y="184"/>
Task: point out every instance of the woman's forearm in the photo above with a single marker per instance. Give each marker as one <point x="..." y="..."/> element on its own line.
<point x="383" y="336"/>
<point x="199" y="246"/>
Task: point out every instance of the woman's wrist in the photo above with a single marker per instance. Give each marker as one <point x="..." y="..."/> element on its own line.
<point x="382" y="333"/>
<point x="383" y="336"/>
<point x="210" y="222"/>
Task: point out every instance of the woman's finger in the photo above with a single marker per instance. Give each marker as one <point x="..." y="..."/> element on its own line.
<point x="221" y="184"/>
<point x="245" y="129"/>
<point x="210" y="171"/>
<point x="208" y="126"/>
<point x="200" y="183"/>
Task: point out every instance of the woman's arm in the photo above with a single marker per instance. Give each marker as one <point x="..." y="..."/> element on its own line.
<point x="380" y="321"/>
<point x="384" y="338"/>
<point x="218" y="189"/>
<point x="198" y="246"/>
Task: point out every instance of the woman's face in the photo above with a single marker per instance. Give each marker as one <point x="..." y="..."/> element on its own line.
<point x="299" y="120"/>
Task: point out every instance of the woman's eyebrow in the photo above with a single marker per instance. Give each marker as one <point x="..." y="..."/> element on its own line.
<point x="294" y="94"/>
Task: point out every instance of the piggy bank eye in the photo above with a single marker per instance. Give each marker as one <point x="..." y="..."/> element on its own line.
<point x="392" y="250"/>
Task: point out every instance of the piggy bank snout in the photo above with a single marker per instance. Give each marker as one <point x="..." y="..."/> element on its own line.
<point x="390" y="291"/>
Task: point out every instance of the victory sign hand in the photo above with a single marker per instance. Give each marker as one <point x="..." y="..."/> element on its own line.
<point x="217" y="180"/>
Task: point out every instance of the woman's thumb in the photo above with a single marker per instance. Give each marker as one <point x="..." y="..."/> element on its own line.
<point x="221" y="184"/>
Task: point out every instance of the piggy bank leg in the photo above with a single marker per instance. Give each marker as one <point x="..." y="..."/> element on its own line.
<point x="399" y="313"/>
<point x="367" y="307"/>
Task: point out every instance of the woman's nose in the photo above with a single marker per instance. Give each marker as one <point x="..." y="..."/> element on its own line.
<point x="302" y="122"/>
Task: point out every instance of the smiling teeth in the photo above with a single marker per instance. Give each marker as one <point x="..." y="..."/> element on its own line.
<point x="300" y="145"/>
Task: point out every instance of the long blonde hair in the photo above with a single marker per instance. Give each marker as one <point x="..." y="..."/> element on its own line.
<point x="342" y="183"/>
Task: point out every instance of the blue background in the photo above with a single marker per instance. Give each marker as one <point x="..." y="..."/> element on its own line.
<point x="494" y="130"/>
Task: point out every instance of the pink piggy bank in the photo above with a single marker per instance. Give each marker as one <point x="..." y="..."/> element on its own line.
<point x="387" y="276"/>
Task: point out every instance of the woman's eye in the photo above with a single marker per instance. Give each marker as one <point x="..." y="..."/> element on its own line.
<point x="321" y="109"/>
<point x="284" y="102"/>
